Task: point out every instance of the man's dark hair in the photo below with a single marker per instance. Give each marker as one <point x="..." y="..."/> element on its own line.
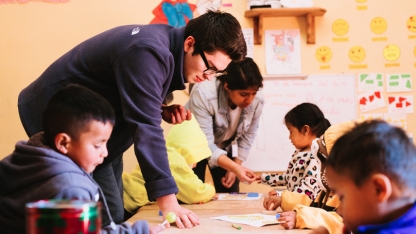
<point x="242" y="75"/>
<point x="72" y="109"/>
<point x="217" y="31"/>
<point x="375" y="147"/>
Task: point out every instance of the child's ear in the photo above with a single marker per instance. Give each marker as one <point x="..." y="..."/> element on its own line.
<point x="382" y="187"/>
<point x="306" y="129"/>
<point x="62" y="141"/>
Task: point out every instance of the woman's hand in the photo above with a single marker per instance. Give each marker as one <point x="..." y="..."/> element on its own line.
<point x="228" y="180"/>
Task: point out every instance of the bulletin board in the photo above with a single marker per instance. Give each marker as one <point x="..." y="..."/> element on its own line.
<point x="335" y="95"/>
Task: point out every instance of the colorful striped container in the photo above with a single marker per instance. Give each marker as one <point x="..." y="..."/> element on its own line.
<point x="63" y="217"/>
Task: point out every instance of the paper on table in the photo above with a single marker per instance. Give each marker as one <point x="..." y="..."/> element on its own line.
<point x="238" y="196"/>
<point x="256" y="220"/>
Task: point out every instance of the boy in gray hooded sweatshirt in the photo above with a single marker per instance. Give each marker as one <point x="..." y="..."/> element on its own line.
<point x="56" y="163"/>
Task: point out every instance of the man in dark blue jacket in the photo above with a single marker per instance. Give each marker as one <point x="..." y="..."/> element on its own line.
<point x="135" y="67"/>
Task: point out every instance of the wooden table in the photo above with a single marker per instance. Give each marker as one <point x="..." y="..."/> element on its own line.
<point x="213" y="209"/>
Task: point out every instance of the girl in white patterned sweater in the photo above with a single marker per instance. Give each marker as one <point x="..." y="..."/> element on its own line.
<point x="305" y="122"/>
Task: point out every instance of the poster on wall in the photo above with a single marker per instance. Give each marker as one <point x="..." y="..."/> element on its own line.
<point x="283" y="51"/>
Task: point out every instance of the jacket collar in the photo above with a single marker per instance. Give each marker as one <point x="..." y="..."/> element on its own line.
<point x="176" y="39"/>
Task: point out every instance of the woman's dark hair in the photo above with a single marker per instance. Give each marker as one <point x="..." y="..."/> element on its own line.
<point x="308" y="114"/>
<point x="242" y="75"/>
<point x="217" y="31"/>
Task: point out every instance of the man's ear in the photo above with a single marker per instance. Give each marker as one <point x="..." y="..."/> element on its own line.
<point x="382" y="187"/>
<point x="188" y="44"/>
<point x="62" y="141"/>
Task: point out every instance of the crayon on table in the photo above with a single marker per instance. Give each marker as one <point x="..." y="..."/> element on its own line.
<point x="236" y="226"/>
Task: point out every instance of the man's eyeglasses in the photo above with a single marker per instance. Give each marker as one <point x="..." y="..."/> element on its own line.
<point x="211" y="70"/>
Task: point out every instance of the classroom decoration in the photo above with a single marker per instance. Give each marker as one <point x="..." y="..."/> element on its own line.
<point x="323" y="54"/>
<point x="340" y="27"/>
<point x="400" y="104"/>
<point x="175" y="13"/>
<point x="202" y="6"/>
<point x="411" y="24"/>
<point x="391" y="52"/>
<point x="399" y="82"/>
<point x="371" y="116"/>
<point x="371" y="100"/>
<point x="249" y="38"/>
<point x="396" y="119"/>
<point x="283" y="51"/>
<point x="335" y="94"/>
<point x="370" y="82"/>
<point x="255" y="220"/>
<point x="26" y="1"/>
<point x="378" y="25"/>
<point x="357" y="54"/>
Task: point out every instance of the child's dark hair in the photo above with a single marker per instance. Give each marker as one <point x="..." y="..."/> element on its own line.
<point x="72" y="109"/>
<point x="242" y="75"/>
<point x="308" y="114"/>
<point x="375" y="147"/>
<point x="216" y="30"/>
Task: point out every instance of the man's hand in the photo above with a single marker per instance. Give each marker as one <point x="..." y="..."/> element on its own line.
<point x="289" y="219"/>
<point x="184" y="217"/>
<point x="175" y="114"/>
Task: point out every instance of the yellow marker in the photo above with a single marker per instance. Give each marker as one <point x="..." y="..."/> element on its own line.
<point x="236" y="226"/>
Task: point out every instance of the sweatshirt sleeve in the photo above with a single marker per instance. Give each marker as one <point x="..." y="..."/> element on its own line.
<point x="139" y="227"/>
<point x="274" y="179"/>
<point x="141" y="95"/>
<point x="204" y="113"/>
<point x="312" y="217"/>
<point x="291" y="199"/>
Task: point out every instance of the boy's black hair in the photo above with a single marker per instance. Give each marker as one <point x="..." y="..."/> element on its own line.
<point x="375" y="147"/>
<point x="217" y="31"/>
<point x="72" y="109"/>
<point x="308" y="114"/>
<point x="242" y="75"/>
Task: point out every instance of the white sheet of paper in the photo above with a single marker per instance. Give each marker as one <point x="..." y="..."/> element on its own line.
<point x="256" y="220"/>
<point x="237" y="197"/>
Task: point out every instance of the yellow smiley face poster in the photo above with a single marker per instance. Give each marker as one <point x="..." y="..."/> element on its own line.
<point x="378" y="25"/>
<point x="323" y="54"/>
<point x="340" y="27"/>
<point x="391" y="52"/>
<point x="357" y="54"/>
<point x="411" y="24"/>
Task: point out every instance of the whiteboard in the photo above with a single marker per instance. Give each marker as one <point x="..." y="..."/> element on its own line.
<point x="335" y="95"/>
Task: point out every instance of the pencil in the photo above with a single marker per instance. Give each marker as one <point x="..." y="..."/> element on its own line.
<point x="236" y="226"/>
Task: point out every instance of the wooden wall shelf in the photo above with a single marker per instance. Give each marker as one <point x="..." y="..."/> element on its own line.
<point x="309" y="13"/>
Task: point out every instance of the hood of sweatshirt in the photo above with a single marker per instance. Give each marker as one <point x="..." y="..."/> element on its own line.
<point x="188" y="140"/>
<point x="32" y="162"/>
